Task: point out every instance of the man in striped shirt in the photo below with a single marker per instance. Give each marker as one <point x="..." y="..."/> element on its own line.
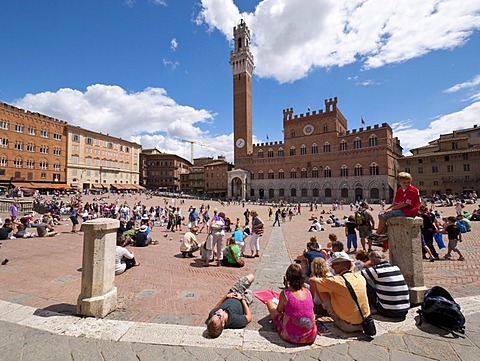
<point x="386" y="287"/>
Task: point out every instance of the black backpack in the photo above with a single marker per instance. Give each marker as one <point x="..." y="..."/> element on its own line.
<point x="440" y="309"/>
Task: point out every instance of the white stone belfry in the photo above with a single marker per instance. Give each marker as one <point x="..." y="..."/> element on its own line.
<point x="98" y="295"/>
<point x="405" y="251"/>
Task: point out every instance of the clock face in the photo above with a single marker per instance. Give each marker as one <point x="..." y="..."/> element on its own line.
<point x="308" y="129"/>
<point x="240" y="143"/>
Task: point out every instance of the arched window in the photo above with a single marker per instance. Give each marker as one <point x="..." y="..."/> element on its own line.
<point x="260" y="153"/>
<point x="304" y="192"/>
<point x="292" y="134"/>
<point x="303" y="173"/>
<point x="260" y="174"/>
<point x="281" y="174"/>
<point x="293" y="192"/>
<point x="281" y="192"/>
<point x="293" y="173"/>
<point x="374" y="169"/>
<point x="344" y="193"/>
<point x="270" y="153"/>
<point x="271" y="175"/>
<point x="343" y="145"/>
<point x="315" y="172"/>
<point x="358" y="170"/>
<point x="3" y="160"/>
<point x="314" y="148"/>
<point x="344" y="171"/>
<point x="315" y="192"/>
<point x="303" y="149"/>
<point x="327" y="172"/>
<point x="372" y="141"/>
<point x="293" y="151"/>
<point x="357" y="143"/>
<point x="326" y="147"/>
<point x="281" y="153"/>
<point x="328" y="192"/>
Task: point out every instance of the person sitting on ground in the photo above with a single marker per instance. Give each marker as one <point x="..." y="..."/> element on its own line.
<point x="232" y="310"/>
<point x="311" y="252"/>
<point x="141" y="237"/>
<point x="405" y="204"/>
<point x="6" y="230"/>
<point x="336" y="298"/>
<point x="318" y="269"/>
<point x="293" y="316"/>
<point x="46" y="230"/>
<point x="124" y="259"/>
<point x="361" y="260"/>
<point x="189" y="243"/>
<point x="316" y="226"/>
<point x="231" y="257"/>
<point x="22" y="229"/>
<point x="387" y="290"/>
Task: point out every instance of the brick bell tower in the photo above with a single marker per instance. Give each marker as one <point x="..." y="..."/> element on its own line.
<point x="241" y="61"/>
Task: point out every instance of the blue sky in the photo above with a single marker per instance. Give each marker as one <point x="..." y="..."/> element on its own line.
<point x="157" y="71"/>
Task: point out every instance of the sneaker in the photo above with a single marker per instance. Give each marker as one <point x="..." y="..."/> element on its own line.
<point x="432" y="260"/>
<point x="447" y="257"/>
<point x="461" y="258"/>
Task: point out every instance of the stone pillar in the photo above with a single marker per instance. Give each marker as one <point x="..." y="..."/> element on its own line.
<point x="405" y="251"/>
<point x="98" y="295"/>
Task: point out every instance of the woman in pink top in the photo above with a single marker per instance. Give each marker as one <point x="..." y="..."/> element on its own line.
<point x="293" y="316"/>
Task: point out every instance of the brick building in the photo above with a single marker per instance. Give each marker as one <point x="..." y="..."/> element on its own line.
<point x="32" y="148"/>
<point x="216" y="178"/>
<point x="320" y="159"/>
<point x="96" y="160"/>
<point x="447" y="165"/>
<point x="162" y="171"/>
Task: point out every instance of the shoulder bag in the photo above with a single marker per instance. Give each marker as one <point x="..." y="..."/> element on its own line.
<point x="368" y="323"/>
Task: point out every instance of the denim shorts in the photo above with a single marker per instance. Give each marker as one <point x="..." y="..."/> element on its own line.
<point x="391" y="214"/>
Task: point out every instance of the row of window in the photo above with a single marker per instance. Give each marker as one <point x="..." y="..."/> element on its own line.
<point x="55" y="177"/>
<point x="327" y="172"/>
<point x="435" y="169"/>
<point x="29" y="147"/>
<point x="446" y="158"/>
<point x="30" y="164"/>
<point x="20" y="128"/>
<point x="327" y="193"/>
<point x="104" y="162"/>
<point x="436" y="183"/>
<point x="98" y="142"/>
<point x="357" y="144"/>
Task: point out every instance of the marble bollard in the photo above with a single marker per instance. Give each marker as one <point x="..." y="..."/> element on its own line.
<point x="405" y="251"/>
<point x="98" y="296"/>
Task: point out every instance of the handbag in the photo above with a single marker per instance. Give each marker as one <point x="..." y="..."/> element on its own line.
<point x="368" y="323"/>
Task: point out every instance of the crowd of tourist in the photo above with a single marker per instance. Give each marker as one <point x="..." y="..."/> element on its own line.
<point x="321" y="281"/>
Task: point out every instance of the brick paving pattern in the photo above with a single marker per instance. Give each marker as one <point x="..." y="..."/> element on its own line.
<point x="166" y="288"/>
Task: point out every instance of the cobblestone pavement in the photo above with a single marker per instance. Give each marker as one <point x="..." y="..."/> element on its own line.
<point x="45" y="273"/>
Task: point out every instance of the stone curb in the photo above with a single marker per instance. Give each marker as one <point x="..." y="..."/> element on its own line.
<point x="164" y="334"/>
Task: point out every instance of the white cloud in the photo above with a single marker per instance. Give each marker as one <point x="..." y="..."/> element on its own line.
<point x="150" y="117"/>
<point x="173" y="44"/>
<point x="466" y="85"/>
<point x="159" y="2"/>
<point x="171" y="64"/>
<point x="291" y="38"/>
<point x="411" y="137"/>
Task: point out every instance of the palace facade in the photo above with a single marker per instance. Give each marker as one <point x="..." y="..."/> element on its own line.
<point x="319" y="159"/>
